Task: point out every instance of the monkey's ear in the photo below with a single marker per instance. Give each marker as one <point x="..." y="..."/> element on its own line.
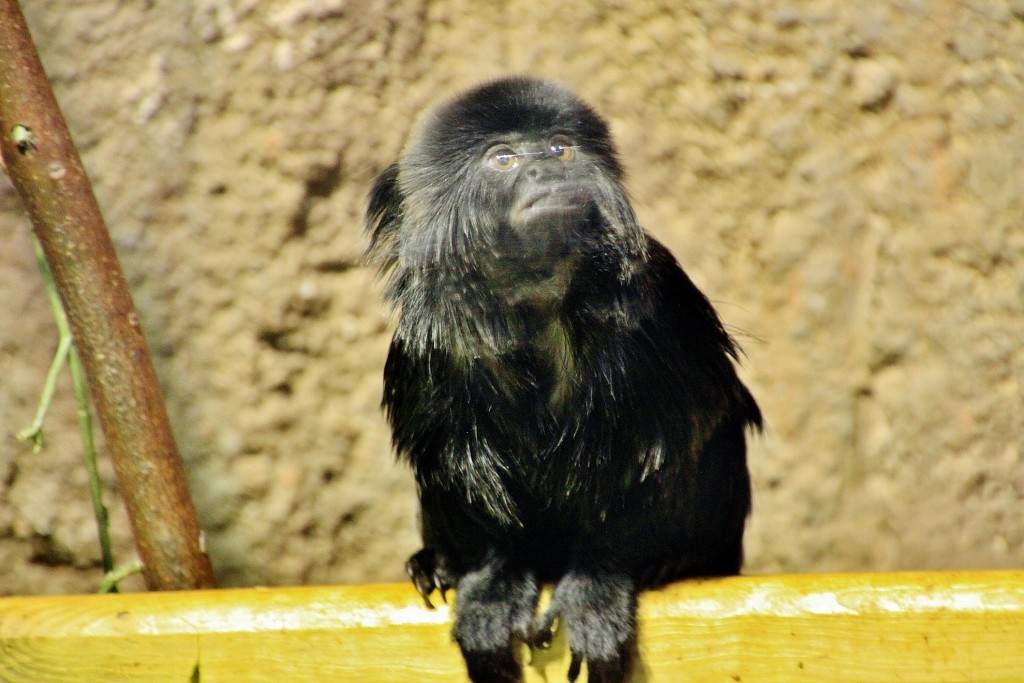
<point x="384" y="216"/>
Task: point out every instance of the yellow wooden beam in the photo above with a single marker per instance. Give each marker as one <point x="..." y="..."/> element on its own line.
<point x="921" y="627"/>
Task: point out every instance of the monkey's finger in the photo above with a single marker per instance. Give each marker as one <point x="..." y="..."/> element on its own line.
<point x="575" y="664"/>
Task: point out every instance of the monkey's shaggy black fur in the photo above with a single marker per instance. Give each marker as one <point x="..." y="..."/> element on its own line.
<point x="564" y="393"/>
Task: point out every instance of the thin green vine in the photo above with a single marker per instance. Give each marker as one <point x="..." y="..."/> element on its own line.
<point x="34" y="432"/>
<point x="113" y="577"/>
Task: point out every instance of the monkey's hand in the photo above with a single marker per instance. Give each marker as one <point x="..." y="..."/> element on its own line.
<point x="494" y="610"/>
<point x="599" y="610"/>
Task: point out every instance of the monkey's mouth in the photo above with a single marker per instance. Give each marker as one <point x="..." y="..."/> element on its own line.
<point x="543" y="228"/>
<point x="555" y="204"/>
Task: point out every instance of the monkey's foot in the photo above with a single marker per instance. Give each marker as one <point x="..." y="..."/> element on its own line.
<point x="494" y="611"/>
<point x="600" y="614"/>
<point x="426" y="577"/>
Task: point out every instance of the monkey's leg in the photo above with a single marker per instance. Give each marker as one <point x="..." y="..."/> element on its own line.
<point x="598" y="607"/>
<point x="494" y="609"/>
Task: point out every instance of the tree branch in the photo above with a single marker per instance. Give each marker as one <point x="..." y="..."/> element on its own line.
<point x="45" y="167"/>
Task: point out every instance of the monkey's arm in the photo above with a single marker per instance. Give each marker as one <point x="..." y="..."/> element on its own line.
<point x="470" y="542"/>
<point x="666" y="433"/>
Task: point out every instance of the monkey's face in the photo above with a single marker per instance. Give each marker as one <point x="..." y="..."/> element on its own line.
<point x="545" y="206"/>
<point x="519" y="206"/>
<point x="514" y="185"/>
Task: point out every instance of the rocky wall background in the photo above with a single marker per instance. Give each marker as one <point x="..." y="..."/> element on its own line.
<point x="844" y="180"/>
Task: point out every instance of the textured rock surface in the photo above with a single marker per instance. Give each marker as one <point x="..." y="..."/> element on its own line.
<point x="845" y="181"/>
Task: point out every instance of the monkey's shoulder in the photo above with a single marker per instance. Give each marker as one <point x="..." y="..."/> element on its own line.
<point x="657" y="304"/>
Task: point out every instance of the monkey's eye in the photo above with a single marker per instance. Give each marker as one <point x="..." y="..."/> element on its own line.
<point x="562" y="147"/>
<point x="502" y="158"/>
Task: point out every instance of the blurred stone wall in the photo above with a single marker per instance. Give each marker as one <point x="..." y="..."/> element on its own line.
<point x="844" y="180"/>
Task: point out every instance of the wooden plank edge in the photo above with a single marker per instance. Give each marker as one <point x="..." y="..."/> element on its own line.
<point x="911" y="626"/>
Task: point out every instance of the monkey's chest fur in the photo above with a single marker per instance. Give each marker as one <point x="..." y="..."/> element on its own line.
<point x="577" y="428"/>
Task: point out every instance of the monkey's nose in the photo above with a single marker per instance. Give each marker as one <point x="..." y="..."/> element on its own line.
<point x="539" y="170"/>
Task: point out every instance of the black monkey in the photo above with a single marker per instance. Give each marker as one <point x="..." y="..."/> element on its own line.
<point x="564" y="393"/>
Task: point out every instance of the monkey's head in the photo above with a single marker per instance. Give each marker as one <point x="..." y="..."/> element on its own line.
<point x="503" y="193"/>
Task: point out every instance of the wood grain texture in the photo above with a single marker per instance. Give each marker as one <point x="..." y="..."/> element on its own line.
<point x="923" y="627"/>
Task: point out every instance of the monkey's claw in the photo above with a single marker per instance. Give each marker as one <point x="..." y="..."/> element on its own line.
<point x="422" y="570"/>
<point x="543" y="632"/>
